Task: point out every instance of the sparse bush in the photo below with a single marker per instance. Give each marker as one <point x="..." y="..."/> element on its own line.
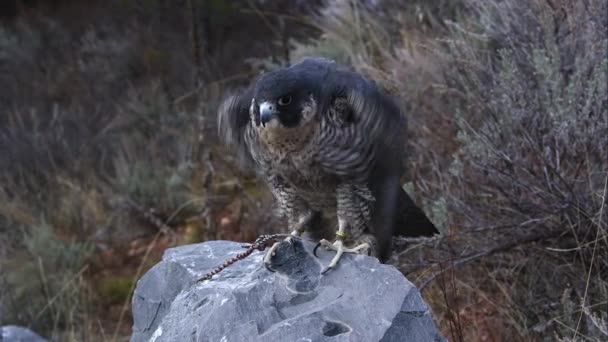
<point x="44" y="285"/>
<point x="533" y="152"/>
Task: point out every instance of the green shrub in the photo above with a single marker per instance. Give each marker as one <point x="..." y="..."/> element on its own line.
<point x="116" y="290"/>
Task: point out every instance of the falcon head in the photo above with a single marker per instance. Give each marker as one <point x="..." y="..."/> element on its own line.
<point x="285" y="99"/>
<point x="284" y="107"/>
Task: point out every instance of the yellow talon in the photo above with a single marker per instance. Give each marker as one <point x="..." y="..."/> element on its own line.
<point x="341" y="235"/>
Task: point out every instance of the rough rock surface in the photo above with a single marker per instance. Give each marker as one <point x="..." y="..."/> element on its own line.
<point x="13" y="333"/>
<point x="360" y="300"/>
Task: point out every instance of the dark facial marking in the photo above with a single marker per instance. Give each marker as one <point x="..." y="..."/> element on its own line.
<point x="256" y="114"/>
<point x="290" y="113"/>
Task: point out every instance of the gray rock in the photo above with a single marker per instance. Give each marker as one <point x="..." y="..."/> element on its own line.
<point x="361" y="300"/>
<point x="13" y="333"/>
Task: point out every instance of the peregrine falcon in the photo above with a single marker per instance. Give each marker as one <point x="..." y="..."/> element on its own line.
<point x="328" y="142"/>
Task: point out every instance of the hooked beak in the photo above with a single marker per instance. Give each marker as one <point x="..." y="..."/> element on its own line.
<point x="267" y="112"/>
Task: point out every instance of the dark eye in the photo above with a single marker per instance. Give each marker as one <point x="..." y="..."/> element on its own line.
<point x="284" y="100"/>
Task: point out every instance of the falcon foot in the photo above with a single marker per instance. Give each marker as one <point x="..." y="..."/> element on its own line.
<point x="338" y="246"/>
<point x="272" y="251"/>
<point x="297" y="230"/>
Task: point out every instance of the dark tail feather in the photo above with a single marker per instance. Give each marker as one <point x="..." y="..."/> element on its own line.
<point x="412" y="221"/>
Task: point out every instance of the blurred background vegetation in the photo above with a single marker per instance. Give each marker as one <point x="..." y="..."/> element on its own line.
<point x="108" y="150"/>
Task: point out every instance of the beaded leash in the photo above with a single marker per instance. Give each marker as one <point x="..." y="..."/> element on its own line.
<point x="260" y="244"/>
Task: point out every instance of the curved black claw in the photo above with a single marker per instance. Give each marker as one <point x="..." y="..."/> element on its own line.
<point x="327" y="269"/>
<point x="268" y="267"/>
<point x="314" y="251"/>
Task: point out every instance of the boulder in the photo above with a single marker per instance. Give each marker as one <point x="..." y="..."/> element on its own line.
<point x="360" y="300"/>
<point x="13" y="333"/>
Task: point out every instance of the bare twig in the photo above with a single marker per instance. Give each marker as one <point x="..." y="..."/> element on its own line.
<point x="49" y="304"/>
<point x="195" y="40"/>
<point x="474" y="256"/>
<point x="138" y="273"/>
<point x="597" y="235"/>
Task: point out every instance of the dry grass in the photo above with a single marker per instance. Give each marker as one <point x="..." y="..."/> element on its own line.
<point x="108" y="154"/>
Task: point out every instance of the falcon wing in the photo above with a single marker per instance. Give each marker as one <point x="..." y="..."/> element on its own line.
<point x="366" y="143"/>
<point x="233" y="121"/>
<point x="368" y="120"/>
